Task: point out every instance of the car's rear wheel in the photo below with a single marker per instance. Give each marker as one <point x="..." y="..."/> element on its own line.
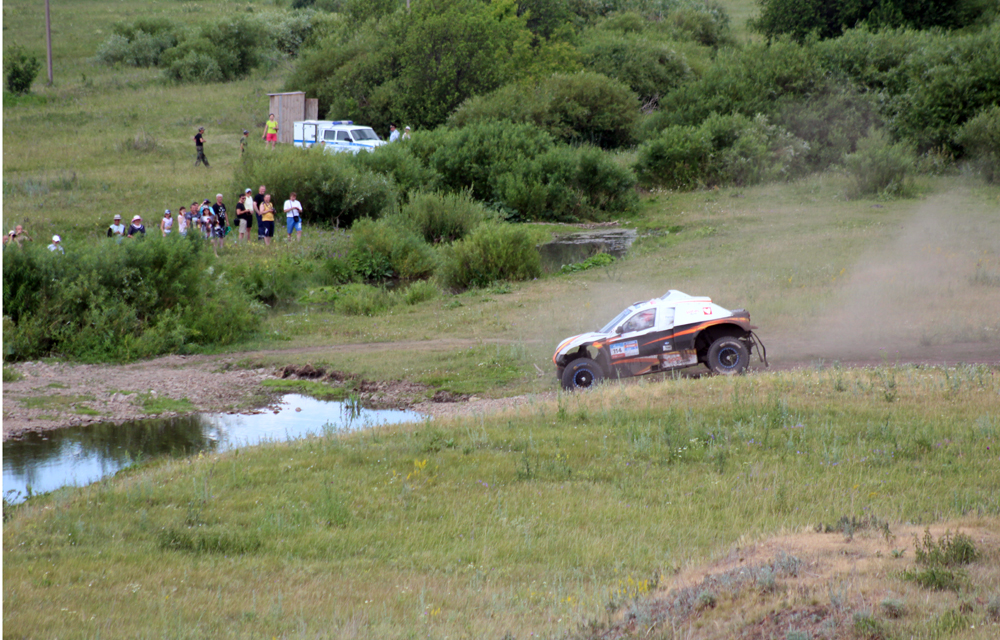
<point x="728" y="356"/>
<point x="582" y="373"/>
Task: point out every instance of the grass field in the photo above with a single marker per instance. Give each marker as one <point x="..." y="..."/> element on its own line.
<point x="564" y="518"/>
<point x="532" y="522"/>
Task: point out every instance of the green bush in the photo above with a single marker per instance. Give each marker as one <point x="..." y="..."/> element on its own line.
<point x="569" y="183"/>
<point x="443" y="217"/>
<point x="477" y="156"/>
<point x="579" y="107"/>
<point x="880" y="167"/>
<point x="330" y="186"/>
<point x="494" y="251"/>
<point x="222" y="50"/>
<point x="20" y="69"/>
<point x="928" y="84"/>
<point x="120" y="301"/>
<point x="980" y="139"/>
<point x="799" y="18"/>
<point x="398" y="161"/>
<point x="382" y="250"/>
<point x="364" y="300"/>
<point x="756" y="79"/>
<point x="420" y="291"/>
<point x="723" y="150"/>
<point x="651" y="69"/>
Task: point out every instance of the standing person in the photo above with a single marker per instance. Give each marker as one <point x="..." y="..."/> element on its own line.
<point x="219" y="209"/>
<point x="183" y="221"/>
<point x="270" y="132"/>
<point x="244" y="141"/>
<point x="267" y="219"/>
<point x="17" y="235"/>
<point x="406" y="133"/>
<point x="244" y="217"/>
<point x="199" y="146"/>
<point x="117" y="229"/>
<point x="293" y="217"/>
<point x="56" y="245"/>
<point x="393" y="133"/>
<point x="136" y="228"/>
<point x="167" y="224"/>
<point x="258" y="200"/>
<point x="218" y="233"/>
<point x="206" y="222"/>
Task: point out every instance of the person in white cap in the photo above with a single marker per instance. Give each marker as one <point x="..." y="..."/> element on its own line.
<point x="136" y="228"/>
<point x="56" y="244"/>
<point x="167" y="224"/>
<point x="406" y="133"/>
<point x="116" y="230"/>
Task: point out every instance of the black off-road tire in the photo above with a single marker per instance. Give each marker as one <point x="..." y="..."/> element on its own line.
<point x="582" y="373"/>
<point x="728" y="356"/>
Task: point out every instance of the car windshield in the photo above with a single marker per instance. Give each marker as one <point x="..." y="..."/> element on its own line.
<point x="608" y="328"/>
<point x="364" y="134"/>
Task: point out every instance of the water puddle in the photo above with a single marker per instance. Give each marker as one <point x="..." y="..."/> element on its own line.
<point x="42" y="462"/>
<point x="576" y="247"/>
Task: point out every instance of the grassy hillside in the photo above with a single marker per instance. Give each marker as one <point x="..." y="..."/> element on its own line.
<point x="540" y="522"/>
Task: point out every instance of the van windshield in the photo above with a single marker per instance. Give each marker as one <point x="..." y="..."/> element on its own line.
<point x="364" y="134"/>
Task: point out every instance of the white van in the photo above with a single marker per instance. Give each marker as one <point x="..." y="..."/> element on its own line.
<point x="336" y="136"/>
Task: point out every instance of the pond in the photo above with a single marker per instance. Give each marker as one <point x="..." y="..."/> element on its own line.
<point x="42" y="462"/>
<point x="570" y="248"/>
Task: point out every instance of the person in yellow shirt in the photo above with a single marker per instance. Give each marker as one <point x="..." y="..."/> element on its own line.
<point x="267" y="219"/>
<point x="270" y="131"/>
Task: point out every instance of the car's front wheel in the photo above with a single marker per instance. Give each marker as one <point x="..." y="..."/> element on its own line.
<point x="728" y="356"/>
<point x="582" y="373"/>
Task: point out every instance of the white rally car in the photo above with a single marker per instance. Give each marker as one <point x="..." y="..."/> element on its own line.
<point x="662" y="334"/>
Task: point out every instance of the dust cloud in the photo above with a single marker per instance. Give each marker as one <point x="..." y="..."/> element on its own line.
<point x="932" y="295"/>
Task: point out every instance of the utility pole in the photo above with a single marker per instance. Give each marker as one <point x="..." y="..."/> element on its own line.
<point x="48" y="39"/>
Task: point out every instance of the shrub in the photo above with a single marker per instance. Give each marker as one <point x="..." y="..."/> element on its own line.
<point x="579" y="107"/>
<point x="330" y="186"/>
<point x="651" y="69"/>
<point x="420" y="291"/>
<point x="364" y="300"/>
<point x="441" y="217"/>
<point x="20" y="69"/>
<point x="980" y="139"/>
<point x="223" y="51"/>
<point x="928" y="84"/>
<point x="879" y="166"/>
<point x="476" y="156"/>
<point x="120" y="301"/>
<point x="753" y="80"/>
<point x="398" y="161"/>
<point x="571" y="183"/>
<point x="799" y="18"/>
<point x="723" y="150"/>
<point x="494" y="251"/>
<point x="381" y="250"/>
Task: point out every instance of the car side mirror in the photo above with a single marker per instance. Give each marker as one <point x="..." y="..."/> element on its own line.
<point x="620" y="330"/>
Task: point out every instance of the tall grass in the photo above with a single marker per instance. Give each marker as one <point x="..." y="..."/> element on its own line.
<point x="525" y="523"/>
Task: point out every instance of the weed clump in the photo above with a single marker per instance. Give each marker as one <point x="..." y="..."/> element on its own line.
<point x="880" y="167"/>
<point x="892" y="608"/>
<point x="939" y="559"/>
